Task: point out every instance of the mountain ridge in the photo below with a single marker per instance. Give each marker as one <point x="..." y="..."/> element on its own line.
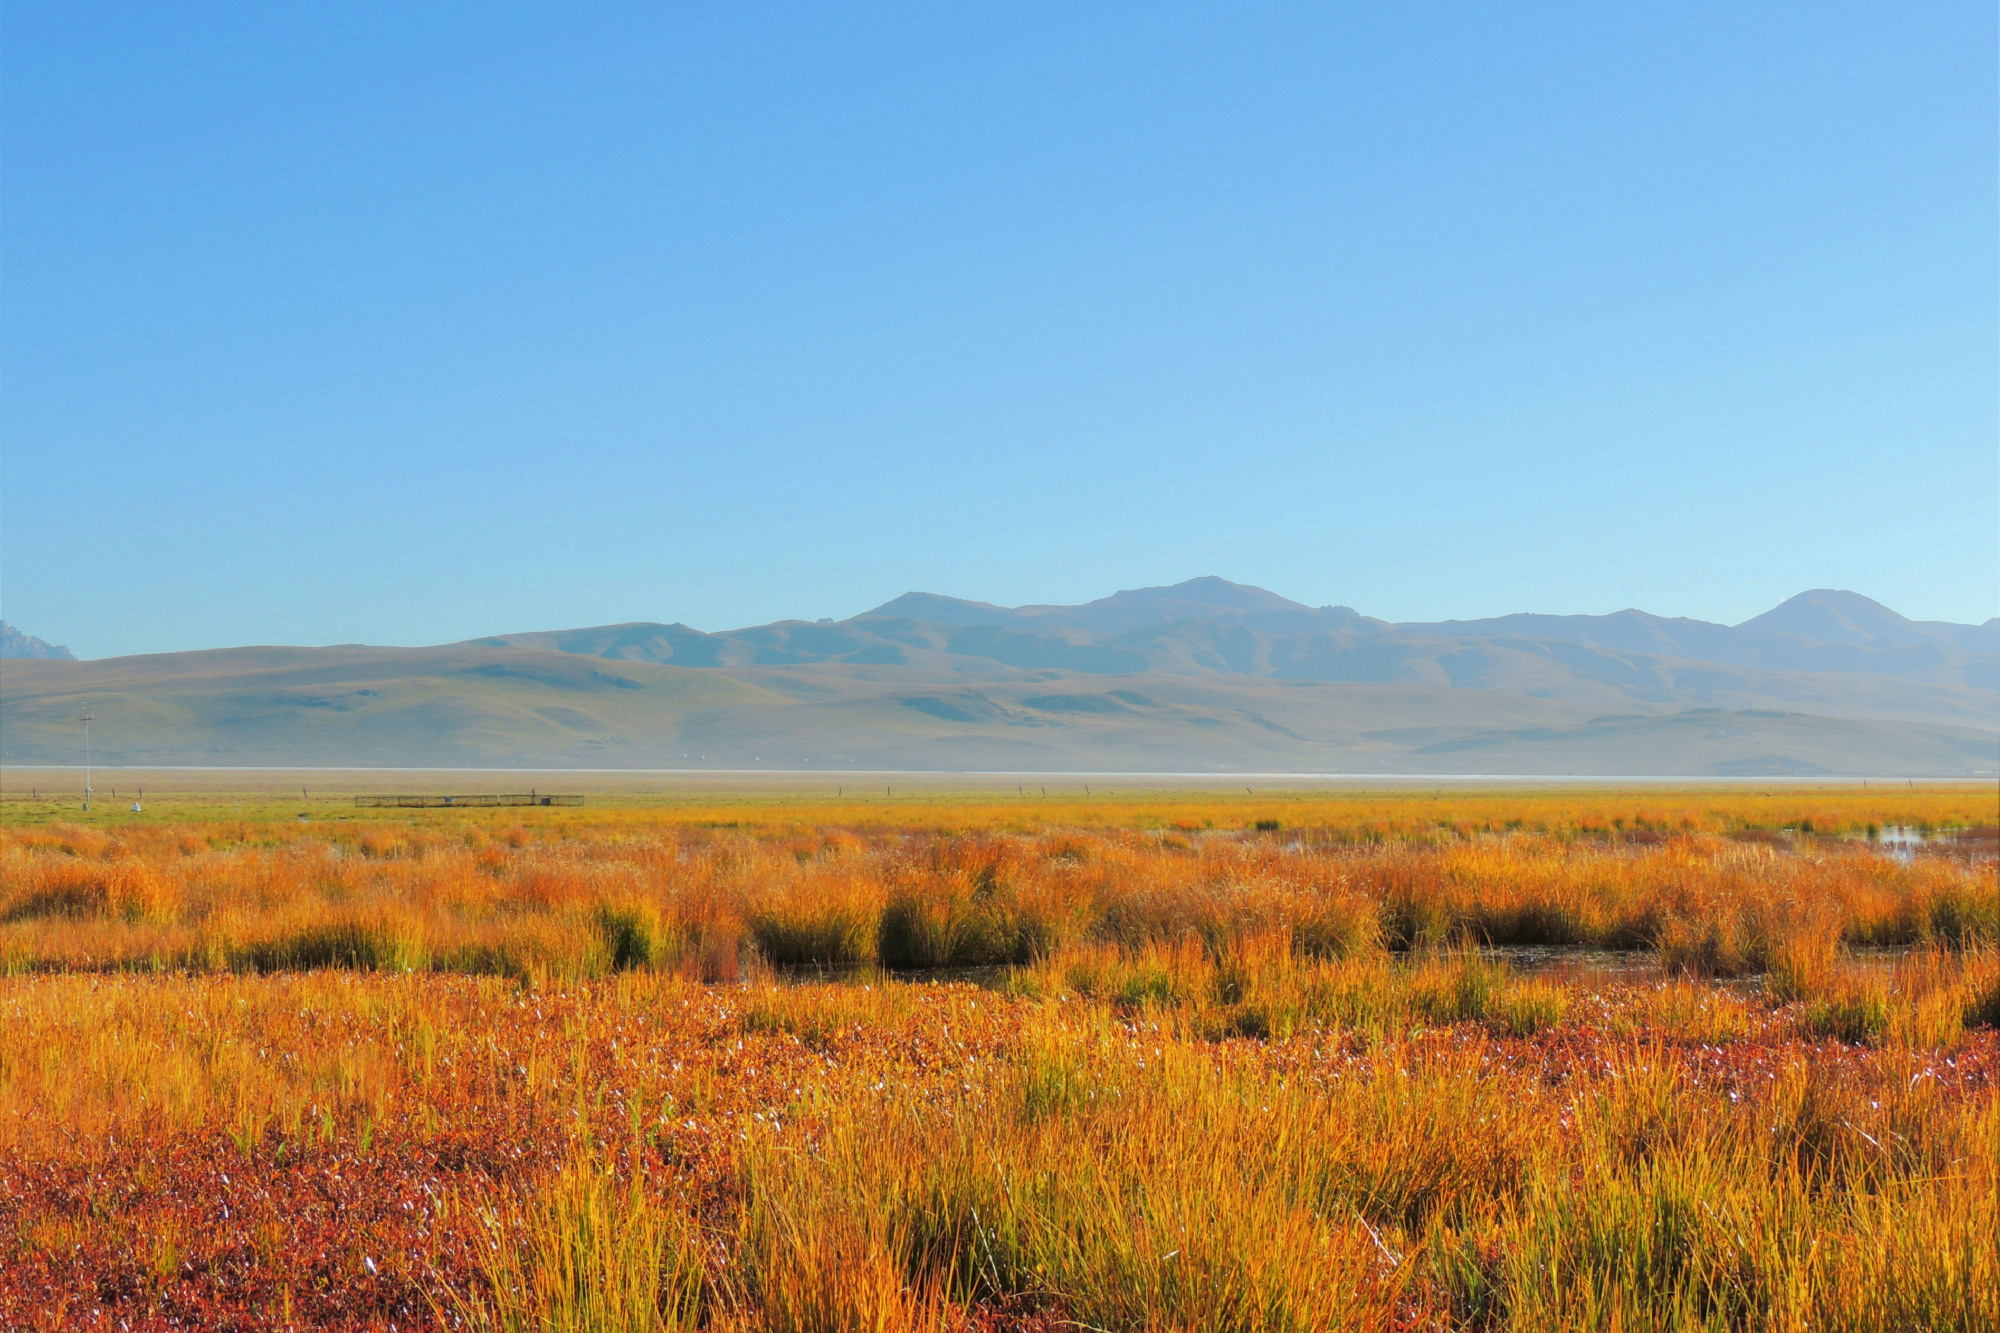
<point x="1211" y="626"/>
<point x="15" y="645"/>
<point x="1200" y="676"/>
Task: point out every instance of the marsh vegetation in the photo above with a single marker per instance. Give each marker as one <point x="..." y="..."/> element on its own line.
<point x="981" y="1065"/>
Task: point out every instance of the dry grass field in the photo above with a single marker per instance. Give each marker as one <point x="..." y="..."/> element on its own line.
<point x="1144" y="1060"/>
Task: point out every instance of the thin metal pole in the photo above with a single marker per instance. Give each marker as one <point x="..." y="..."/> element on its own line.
<point x="86" y="719"/>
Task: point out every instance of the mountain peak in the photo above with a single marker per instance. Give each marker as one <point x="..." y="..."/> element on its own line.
<point x="1832" y="615"/>
<point x="1207" y="591"/>
<point x="13" y="643"/>
<point x="938" y="610"/>
<point x="1203" y="597"/>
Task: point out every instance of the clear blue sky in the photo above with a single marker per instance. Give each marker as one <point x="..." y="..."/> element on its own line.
<point x="403" y="324"/>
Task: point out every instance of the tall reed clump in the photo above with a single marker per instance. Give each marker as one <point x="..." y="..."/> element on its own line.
<point x="1791" y="938"/>
<point x="1335" y="926"/>
<point x="955" y="920"/>
<point x="1924" y="999"/>
<point x="1457" y="988"/>
<point x="127" y="888"/>
<point x="637" y="934"/>
<point x="1980" y="988"/>
<point x="1857" y="1013"/>
<point x="825" y="920"/>
<point x="1925" y="903"/>
<point x="380" y="939"/>
<point x="980" y="901"/>
<point x="530" y="948"/>
<point x="585" y="1253"/>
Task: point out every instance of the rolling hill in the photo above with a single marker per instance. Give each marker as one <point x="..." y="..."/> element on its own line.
<point x="1203" y="676"/>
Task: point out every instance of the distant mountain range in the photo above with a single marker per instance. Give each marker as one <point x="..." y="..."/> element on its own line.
<point x="1209" y="626"/>
<point x="13" y="643"/>
<point x="1205" y="675"/>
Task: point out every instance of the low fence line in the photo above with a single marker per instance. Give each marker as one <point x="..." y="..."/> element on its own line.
<point x="431" y="802"/>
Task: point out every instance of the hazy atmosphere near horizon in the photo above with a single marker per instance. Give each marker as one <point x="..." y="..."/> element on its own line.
<point x="370" y="324"/>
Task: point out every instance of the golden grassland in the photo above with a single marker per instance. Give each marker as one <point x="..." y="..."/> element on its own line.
<point x="1173" y="1060"/>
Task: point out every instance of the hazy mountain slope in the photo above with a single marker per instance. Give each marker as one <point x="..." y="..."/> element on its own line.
<point x="356" y="705"/>
<point x="16" y="645"/>
<point x="1203" y="676"/>
<point x="1622" y="631"/>
<point x="1821" y="630"/>
<point x="536" y="708"/>
<point x="929" y="606"/>
<point x="1827" y="616"/>
<point x="1206" y="598"/>
<point x="1209" y="626"/>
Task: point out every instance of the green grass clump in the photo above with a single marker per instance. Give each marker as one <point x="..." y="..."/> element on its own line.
<point x="637" y="935"/>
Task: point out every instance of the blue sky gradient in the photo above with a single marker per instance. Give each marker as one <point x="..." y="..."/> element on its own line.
<point x="407" y="324"/>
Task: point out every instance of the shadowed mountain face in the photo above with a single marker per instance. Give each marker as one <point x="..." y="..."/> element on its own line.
<point x="1205" y="675"/>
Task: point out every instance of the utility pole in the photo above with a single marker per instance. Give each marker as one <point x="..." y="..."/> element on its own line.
<point x="86" y="717"/>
